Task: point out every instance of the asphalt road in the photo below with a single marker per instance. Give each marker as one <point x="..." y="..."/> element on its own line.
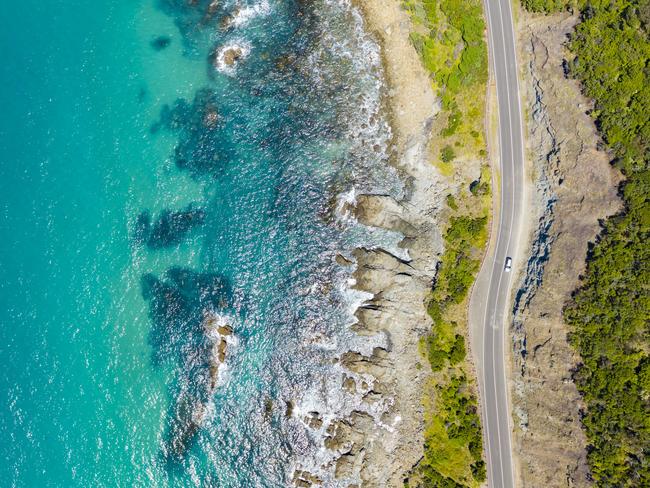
<point x="490" y="308"/>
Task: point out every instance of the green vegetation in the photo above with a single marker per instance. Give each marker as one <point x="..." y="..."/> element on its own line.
<point x="453" y="444"/>
<point x="449" y="36"/>
<point x="447" y="155"/>
<point x="479" y="187"/>
<point x="610" y="313"/>
<point x="547" y="6"/>
<point x="451" y="202"/>
<point x="453" y="438"/>
<point x="453" y="49"/>
<point x="612" y="54"/>
<point x="464" y="239"/>
<point x="610" y="316"/>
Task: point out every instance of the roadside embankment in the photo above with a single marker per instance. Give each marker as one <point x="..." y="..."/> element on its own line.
<point x="573" y="187"/>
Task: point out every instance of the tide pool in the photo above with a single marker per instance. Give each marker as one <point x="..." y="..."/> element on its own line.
<point x="168" y="167"/>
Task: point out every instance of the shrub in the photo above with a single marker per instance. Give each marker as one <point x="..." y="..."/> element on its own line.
<point x="457" y="353"/>
<point x="447" y="154"/>
<point x="451" y="202"/>
<point x="547" y="6"/>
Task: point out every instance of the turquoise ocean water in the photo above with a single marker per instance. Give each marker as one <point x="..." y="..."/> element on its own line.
<point x="148" y="187"/>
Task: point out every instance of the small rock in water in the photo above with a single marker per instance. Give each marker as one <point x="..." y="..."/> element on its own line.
<point x="342" y="260"/>
<point x="305" y="479"/>
<point x="225" y="330"/>
<point x="227" y="20"/>
<point x="221" y="350"/>
<point x="268" y="408"/>
<point x="289" y="411"/>
<point x="161" y="42"/>
<point x="226" y="58"/>
<point x="314" y="420"/>
<point x="350" y="385"/>
<point x="232" y="55"/>
<point x="212" y="8"/>
<point x="210" y="118"/>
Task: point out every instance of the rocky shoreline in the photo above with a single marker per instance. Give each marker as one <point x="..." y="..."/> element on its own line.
<point x="383" y="455"/>
<point x="574" y="187"/>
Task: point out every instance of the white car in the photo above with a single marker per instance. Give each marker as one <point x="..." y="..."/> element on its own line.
<point x="508" y="265"/>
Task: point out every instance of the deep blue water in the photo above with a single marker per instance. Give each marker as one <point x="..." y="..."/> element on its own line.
<point x="148" y="190"/>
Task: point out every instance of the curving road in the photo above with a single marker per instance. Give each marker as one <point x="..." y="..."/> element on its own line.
<point x="490" y="302"/>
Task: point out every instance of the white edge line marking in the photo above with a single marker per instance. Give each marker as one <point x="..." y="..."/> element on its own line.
<point x="512" y="210"/>
<point x="520" y="215"/>
<point x="496" y="245"/>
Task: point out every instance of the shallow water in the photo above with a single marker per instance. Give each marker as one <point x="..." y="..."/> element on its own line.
<point x="145" y="185"/>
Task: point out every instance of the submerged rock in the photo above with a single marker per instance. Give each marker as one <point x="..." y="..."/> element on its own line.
<point x="175" y="309"/>
<point x="212" y="7"/>
<point x="192" y="17"/>
<point x="170" y="228"/>
<point x="227" y="21"/>
<point x="210" y="118"/>
<point x="289" y="411"/>
<point x="201" y="376"/>
<point x="161" y="42"/>
<point x="204" y="146"/>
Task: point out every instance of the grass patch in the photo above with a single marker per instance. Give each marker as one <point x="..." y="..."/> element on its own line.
<point x="446" y="169"/>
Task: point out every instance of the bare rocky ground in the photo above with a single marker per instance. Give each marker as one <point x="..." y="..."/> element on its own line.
<point x="574" y="187"/>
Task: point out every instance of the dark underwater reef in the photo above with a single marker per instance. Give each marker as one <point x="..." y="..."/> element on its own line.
<point x="192" y="17"/>
<point x="170" y="228"/>
<point x="176" y="308"/>
<point x="180" y="309"/>
<point x="210" y="127"/>
<point x="201" y="131"/>
<point x="161" y="42"/>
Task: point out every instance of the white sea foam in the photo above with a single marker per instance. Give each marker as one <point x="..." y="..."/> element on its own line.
<point x="366" y="145"/>
<point x="213" y="323"/>
<point x="332" y="403"/>
<point x="240" y="47"/>
<point x="244" y="15"/>
<point x="343" y="200"/>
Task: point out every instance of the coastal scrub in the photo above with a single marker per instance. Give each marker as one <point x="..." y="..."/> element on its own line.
<point x="453" y="440"/>
<point x="449" y="37"/>
<point x="610" y="313"/>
